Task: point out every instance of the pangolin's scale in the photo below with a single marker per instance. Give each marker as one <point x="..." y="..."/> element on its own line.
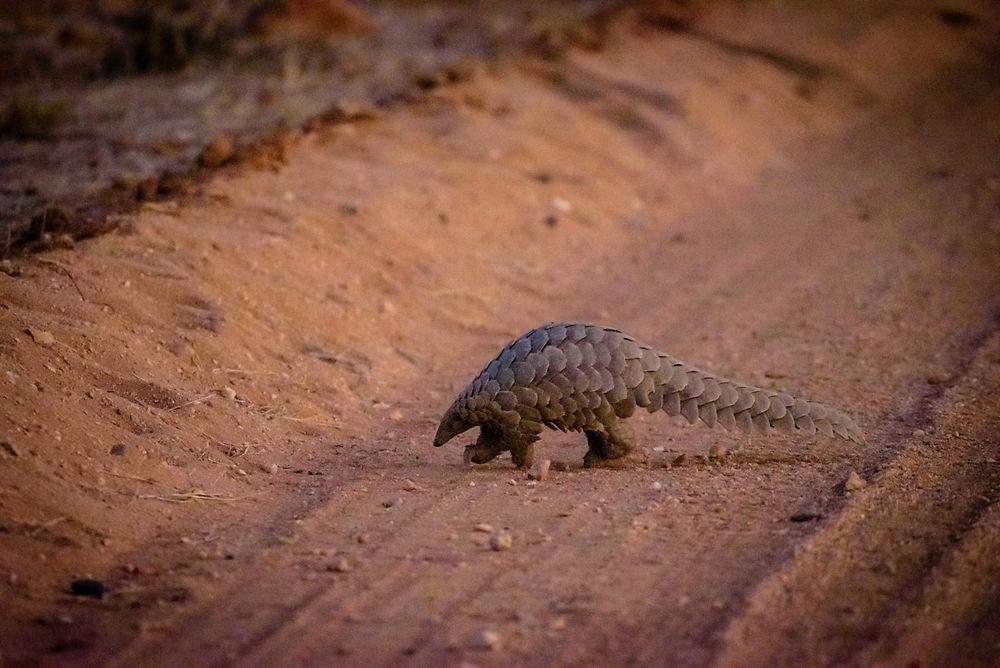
<point x="573" y="376"/>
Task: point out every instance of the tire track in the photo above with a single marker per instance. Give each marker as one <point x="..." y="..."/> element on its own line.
<point x="853" y="586"/>
<point x="334" y="522"/>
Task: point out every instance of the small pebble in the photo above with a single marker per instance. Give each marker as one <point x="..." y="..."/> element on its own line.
<point x="340" y="566"/>
<point x="656" y="486"/>
<point x="679" y="460"/>
<point x="395" y="501"/>
<point x="9" y="448"/>
<point x="41" y="337"/>
<point x="410" y="486"/>
<point x="716" y="452"/>
<point x="118" y="450"/>
<point x="487" y="639"/>
<point x="88" y="588"/>
<point x="525" y="617"/>
<point x="500" y="541"/>
<point x="539" y="469"/>
<point x="940" y="378"/>
<point x="272" y="468"/>
<point x="854" y="482"/>
<point x="484" y="528"/>
<point x="228" y="393"/>
<point x="351" y="110"/>
<point x="217" y="152"/>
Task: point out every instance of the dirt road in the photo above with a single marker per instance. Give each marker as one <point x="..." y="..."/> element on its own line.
<point x="225" y="412"/>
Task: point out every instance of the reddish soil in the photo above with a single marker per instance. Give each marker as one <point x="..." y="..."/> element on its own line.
<point x="224" y="411"/>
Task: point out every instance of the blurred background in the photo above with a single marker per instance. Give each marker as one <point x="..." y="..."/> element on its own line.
<point x="104" y="103"/>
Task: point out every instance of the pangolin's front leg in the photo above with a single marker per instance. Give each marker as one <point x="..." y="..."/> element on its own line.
<point x="494" y="440"/>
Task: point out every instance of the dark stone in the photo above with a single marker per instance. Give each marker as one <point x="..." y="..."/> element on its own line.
<point x="87" y="587"/>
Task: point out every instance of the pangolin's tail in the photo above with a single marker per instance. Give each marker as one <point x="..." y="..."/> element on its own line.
<point x="679" y="389"/>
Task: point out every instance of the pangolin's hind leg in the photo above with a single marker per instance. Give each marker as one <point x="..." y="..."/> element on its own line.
<point x="611" y="439"/>
<point x="522" y="454"/>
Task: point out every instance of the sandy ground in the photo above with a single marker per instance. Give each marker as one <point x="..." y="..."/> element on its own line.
<point x="224" y="411"/>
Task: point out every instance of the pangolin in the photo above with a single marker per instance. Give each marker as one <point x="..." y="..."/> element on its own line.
<point x="584" y="377"/>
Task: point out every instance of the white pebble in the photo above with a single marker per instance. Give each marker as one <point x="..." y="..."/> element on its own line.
<point x="539" y="469"/>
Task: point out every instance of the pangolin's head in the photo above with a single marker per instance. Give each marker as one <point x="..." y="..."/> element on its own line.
<point x="452" y="424"/>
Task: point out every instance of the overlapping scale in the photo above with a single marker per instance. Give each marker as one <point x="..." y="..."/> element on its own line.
<point x="573" y="355"/>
